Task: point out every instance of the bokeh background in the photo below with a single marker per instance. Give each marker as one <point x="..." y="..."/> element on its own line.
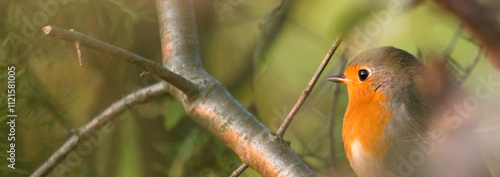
<point x="264" y="61"/>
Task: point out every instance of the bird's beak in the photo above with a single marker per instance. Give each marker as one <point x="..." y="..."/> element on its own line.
<point x="338" y="79"/>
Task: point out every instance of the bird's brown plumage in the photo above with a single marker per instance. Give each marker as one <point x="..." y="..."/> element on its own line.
<point x="389" y="116"/>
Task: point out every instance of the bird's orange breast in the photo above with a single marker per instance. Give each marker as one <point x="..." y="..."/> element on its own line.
<point x="365" y="120"/>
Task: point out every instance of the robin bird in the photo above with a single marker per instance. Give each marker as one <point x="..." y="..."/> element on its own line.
<point x="389" y="116"/>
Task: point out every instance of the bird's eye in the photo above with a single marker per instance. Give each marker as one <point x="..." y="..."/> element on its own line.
<point x="363" y="74"/>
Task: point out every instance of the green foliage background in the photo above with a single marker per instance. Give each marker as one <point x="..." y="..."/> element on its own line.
<point x="55" y="95"/>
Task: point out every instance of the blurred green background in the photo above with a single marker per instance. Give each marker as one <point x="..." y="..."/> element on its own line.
<point x="264" y="61"/>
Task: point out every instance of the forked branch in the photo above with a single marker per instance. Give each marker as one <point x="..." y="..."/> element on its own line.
<point x="214" y="108"/>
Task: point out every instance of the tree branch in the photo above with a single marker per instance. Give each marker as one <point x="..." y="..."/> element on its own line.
<point x="150" y="66"/>
<point x="214" y="108"/>
<point x="308" y="89"/>
<point x="108" y="115"/>
<point x="239" y="170"/>
<point x="480" y="20"/>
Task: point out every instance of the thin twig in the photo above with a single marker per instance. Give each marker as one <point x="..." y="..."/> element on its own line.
<point x="454" y="66"/>
<point x="302" y="99"/>
<point x="481" y="22"/>
<point x="273" y="23"/>
<point x="453" y="42"/>
<point x="472" y="65"/>
<point x="186" y="86"/>
<point x="239" y="170"/>
<point x="308" y="89"/>
<point x="78" y="53"/>
<point x="333" y="117"/>
<point x="139" y="96"/>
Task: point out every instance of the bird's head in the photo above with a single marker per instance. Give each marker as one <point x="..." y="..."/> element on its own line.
<point x="387" y="70"/>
